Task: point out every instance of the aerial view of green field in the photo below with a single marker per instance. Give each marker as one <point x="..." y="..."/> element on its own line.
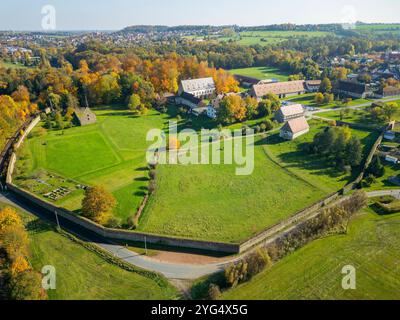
<point x="199" y="151"/>
<point x="110" y="153"/>
<point x="279" y="166"/>
<point x="261" y="73"/>
<point x="314" y="272"/>
<point x="86" y="276"/>
<point x="263" y="38"/>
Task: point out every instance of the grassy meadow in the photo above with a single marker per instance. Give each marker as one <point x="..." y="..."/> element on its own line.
<point x="212" y="202"/>
<point x="263" y="38"/>
<point x="314" y="272"/>
<point x="261" y="73"/>
<point x="83" y="275"/>
<point x="110" y="153"/>
<point x="312" y="168"/>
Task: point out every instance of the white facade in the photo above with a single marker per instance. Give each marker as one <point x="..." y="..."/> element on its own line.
<point x="200" y="88"/>
<point x="211" y="112"/>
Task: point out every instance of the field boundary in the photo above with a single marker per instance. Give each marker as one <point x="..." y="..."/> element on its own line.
<point x="186" y="243"/>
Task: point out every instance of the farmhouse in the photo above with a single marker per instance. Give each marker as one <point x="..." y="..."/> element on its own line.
<point x="245" y="81"/>
<point x="289" y="112"/>
<point x="281" y="89"/>
<point x="354" y="89"/>
<point x="85" y="116"/>
<point x="313" y="85"/>
<point x="294" y="128"/>
<point x="388" y="92"/>
<point x="390" y="135"/>
<point x="200" y="88"/>
<point x="194" y="104"/>
<point x="213" y="107"/>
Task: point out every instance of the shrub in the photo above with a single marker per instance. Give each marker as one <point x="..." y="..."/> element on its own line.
<point x="214" y="292"/>
<point x="152" y="187"/>
<point x="236" y="273"/>
<point x="27" y="286"/>
<point x="389" y="208"/>
<point x="257" y="262"/>
<point x="152" y="174"/>
<point x="113" y="222"/>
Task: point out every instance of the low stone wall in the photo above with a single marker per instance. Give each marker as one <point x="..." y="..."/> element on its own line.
<point x="125" y="235"/>
<point x="27" y="131"/>
<point x="265" y="235"/>
<point x="10" y="168"/>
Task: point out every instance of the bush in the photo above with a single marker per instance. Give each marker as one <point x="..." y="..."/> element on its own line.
<point x="27" y="286"/>
<point x="152" y="174"/>
<point x="257" y="262"/>
<point x="113" y="222"/>
<point x="389" y="208"/>
<point x="214" y="292"/>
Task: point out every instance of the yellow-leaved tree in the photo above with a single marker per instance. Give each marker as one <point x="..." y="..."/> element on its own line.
<point x="98" y="204"/>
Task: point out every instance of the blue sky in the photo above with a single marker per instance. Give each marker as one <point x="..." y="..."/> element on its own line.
<point x="116" y="14"/>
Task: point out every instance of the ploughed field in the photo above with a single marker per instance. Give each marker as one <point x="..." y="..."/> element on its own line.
<point x="207" y="202"/>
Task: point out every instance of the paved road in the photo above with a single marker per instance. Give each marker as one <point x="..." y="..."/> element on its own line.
<point x="169" y="270"/>
<point x="311" y="113"/>
<point x="381" y="193"/>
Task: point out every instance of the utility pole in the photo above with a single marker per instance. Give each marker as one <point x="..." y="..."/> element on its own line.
<point x="58" y="222"/>
<point x="145" y="244"/>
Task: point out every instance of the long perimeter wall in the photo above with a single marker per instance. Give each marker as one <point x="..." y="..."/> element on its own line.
<point x="125" y="235"/>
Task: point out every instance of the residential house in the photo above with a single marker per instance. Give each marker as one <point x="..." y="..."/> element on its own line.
<point x="281" y="89"/>
<point x="313" y="85"/>
<point x="195" y="105"/>
<point x="289" y="112"/>
<point x="85" y="116"/>
<point x="390" y="135"/>
<point x="212" y="108"/>
<point x="200" y="88"/>
<point x="354" y="89"/>
<point x="245" y="81"/>
<point x="295" y="128"/>
<point x="388" y="92"/>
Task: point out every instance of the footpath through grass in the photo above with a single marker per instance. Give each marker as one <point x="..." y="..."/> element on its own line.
<point x="314" y="272"/>
<point x="83" y="275"/>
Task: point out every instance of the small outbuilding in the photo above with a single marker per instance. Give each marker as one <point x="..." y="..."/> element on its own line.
<point x="85" y="116"/>
<point x="294" y="128"/>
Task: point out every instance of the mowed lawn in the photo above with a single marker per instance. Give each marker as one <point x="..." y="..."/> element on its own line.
<point x="314" y="272"/>
<point x="262" y="73"/>
<point x="292" y="156"/>
<point x="81" y="274"/>
<point x="211" y="202"/>
<point x="111" y="153"/>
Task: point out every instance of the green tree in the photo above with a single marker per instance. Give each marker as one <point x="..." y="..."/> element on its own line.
<point x="326" y="85"/>
<point x="353" y="153"/>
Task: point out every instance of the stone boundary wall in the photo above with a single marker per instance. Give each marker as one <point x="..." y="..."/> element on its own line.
<point x="258" y="239"/>
<point x="126" y="235"/>
<point x="27" y="131"/>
